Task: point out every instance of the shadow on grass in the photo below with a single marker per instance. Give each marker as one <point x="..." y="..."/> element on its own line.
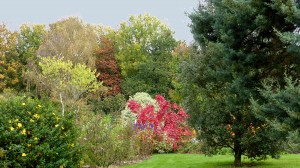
<point x="227" y="164"/>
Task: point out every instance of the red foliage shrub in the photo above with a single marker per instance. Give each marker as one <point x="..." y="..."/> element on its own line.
<point x="169" y="119"/>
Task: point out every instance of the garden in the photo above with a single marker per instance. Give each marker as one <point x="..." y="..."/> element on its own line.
<point x="74" y="94"/>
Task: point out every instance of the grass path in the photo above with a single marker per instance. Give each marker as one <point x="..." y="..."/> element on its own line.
<point x="220" y="161"/>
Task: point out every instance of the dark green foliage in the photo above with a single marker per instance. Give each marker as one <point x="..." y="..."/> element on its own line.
<point x="149" y="79"/>
<point x="282" y="108"/>
<point x="292" y="144"/>
<point x="108" y="105"/>
<point x="283" y="103"/>
<point x="34" y="134"/>
<point x="242" y="43"/>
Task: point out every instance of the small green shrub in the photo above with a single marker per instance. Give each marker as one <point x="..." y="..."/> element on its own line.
<point x="107" y="142"/>
<point x="192" y="147"/>
<point x="34" y="134"/>
<point x="225" y="151"/>
<point x="145" y="142"/>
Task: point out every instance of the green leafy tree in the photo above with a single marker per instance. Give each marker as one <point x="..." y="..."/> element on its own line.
<point x="180" y="54"/>
<point x="143" y="51"/>
<point x="241" y="45"/>
<point x="29" y="39"/>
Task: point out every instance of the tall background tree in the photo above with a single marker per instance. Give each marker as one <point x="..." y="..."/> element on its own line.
<point x="71" y="39"/>
<point x="112" y="101"/>
<point x="240" y="47"/>
<point x="29" y="39"/>
<point x="10" y="66"/>
<point x="143" y="51"/>
<point x="107" y="67"/>
<point x="180" y="54"/>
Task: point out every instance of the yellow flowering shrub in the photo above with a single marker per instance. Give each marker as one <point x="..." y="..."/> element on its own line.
<point x="34" y="134"/>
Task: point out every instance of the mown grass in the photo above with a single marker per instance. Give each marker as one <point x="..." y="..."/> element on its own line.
<point x="219" y="161"/>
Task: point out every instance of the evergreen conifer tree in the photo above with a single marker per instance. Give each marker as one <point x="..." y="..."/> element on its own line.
<point x="242" y="43"/>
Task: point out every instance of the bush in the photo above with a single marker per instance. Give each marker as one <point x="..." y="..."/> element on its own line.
<point x="145" y="142"/>
<point x="107" y="142"/>
<point x="144" y="99"/>
<point x="34" y="134"/>
<point x="192" y="146"/>
<point x="166" y="120"/>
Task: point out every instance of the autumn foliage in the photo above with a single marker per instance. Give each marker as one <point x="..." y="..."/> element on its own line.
<point x="10" y="66"/>
<point x="169" y="120"/>
<point x="107" y="67"/>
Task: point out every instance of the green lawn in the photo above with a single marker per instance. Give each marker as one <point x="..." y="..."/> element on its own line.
<point x="201" y="161"/>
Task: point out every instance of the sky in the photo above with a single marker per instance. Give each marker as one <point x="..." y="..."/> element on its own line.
<point x="106" y="12"/>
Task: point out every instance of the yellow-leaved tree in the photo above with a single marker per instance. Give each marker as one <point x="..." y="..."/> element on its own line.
<point x="67" y="82"/>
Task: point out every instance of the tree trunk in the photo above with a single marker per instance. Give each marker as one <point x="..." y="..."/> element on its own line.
<point x="62" y="105"/>
<point x="237" y="159"/>
<point x="237" y="154"/>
